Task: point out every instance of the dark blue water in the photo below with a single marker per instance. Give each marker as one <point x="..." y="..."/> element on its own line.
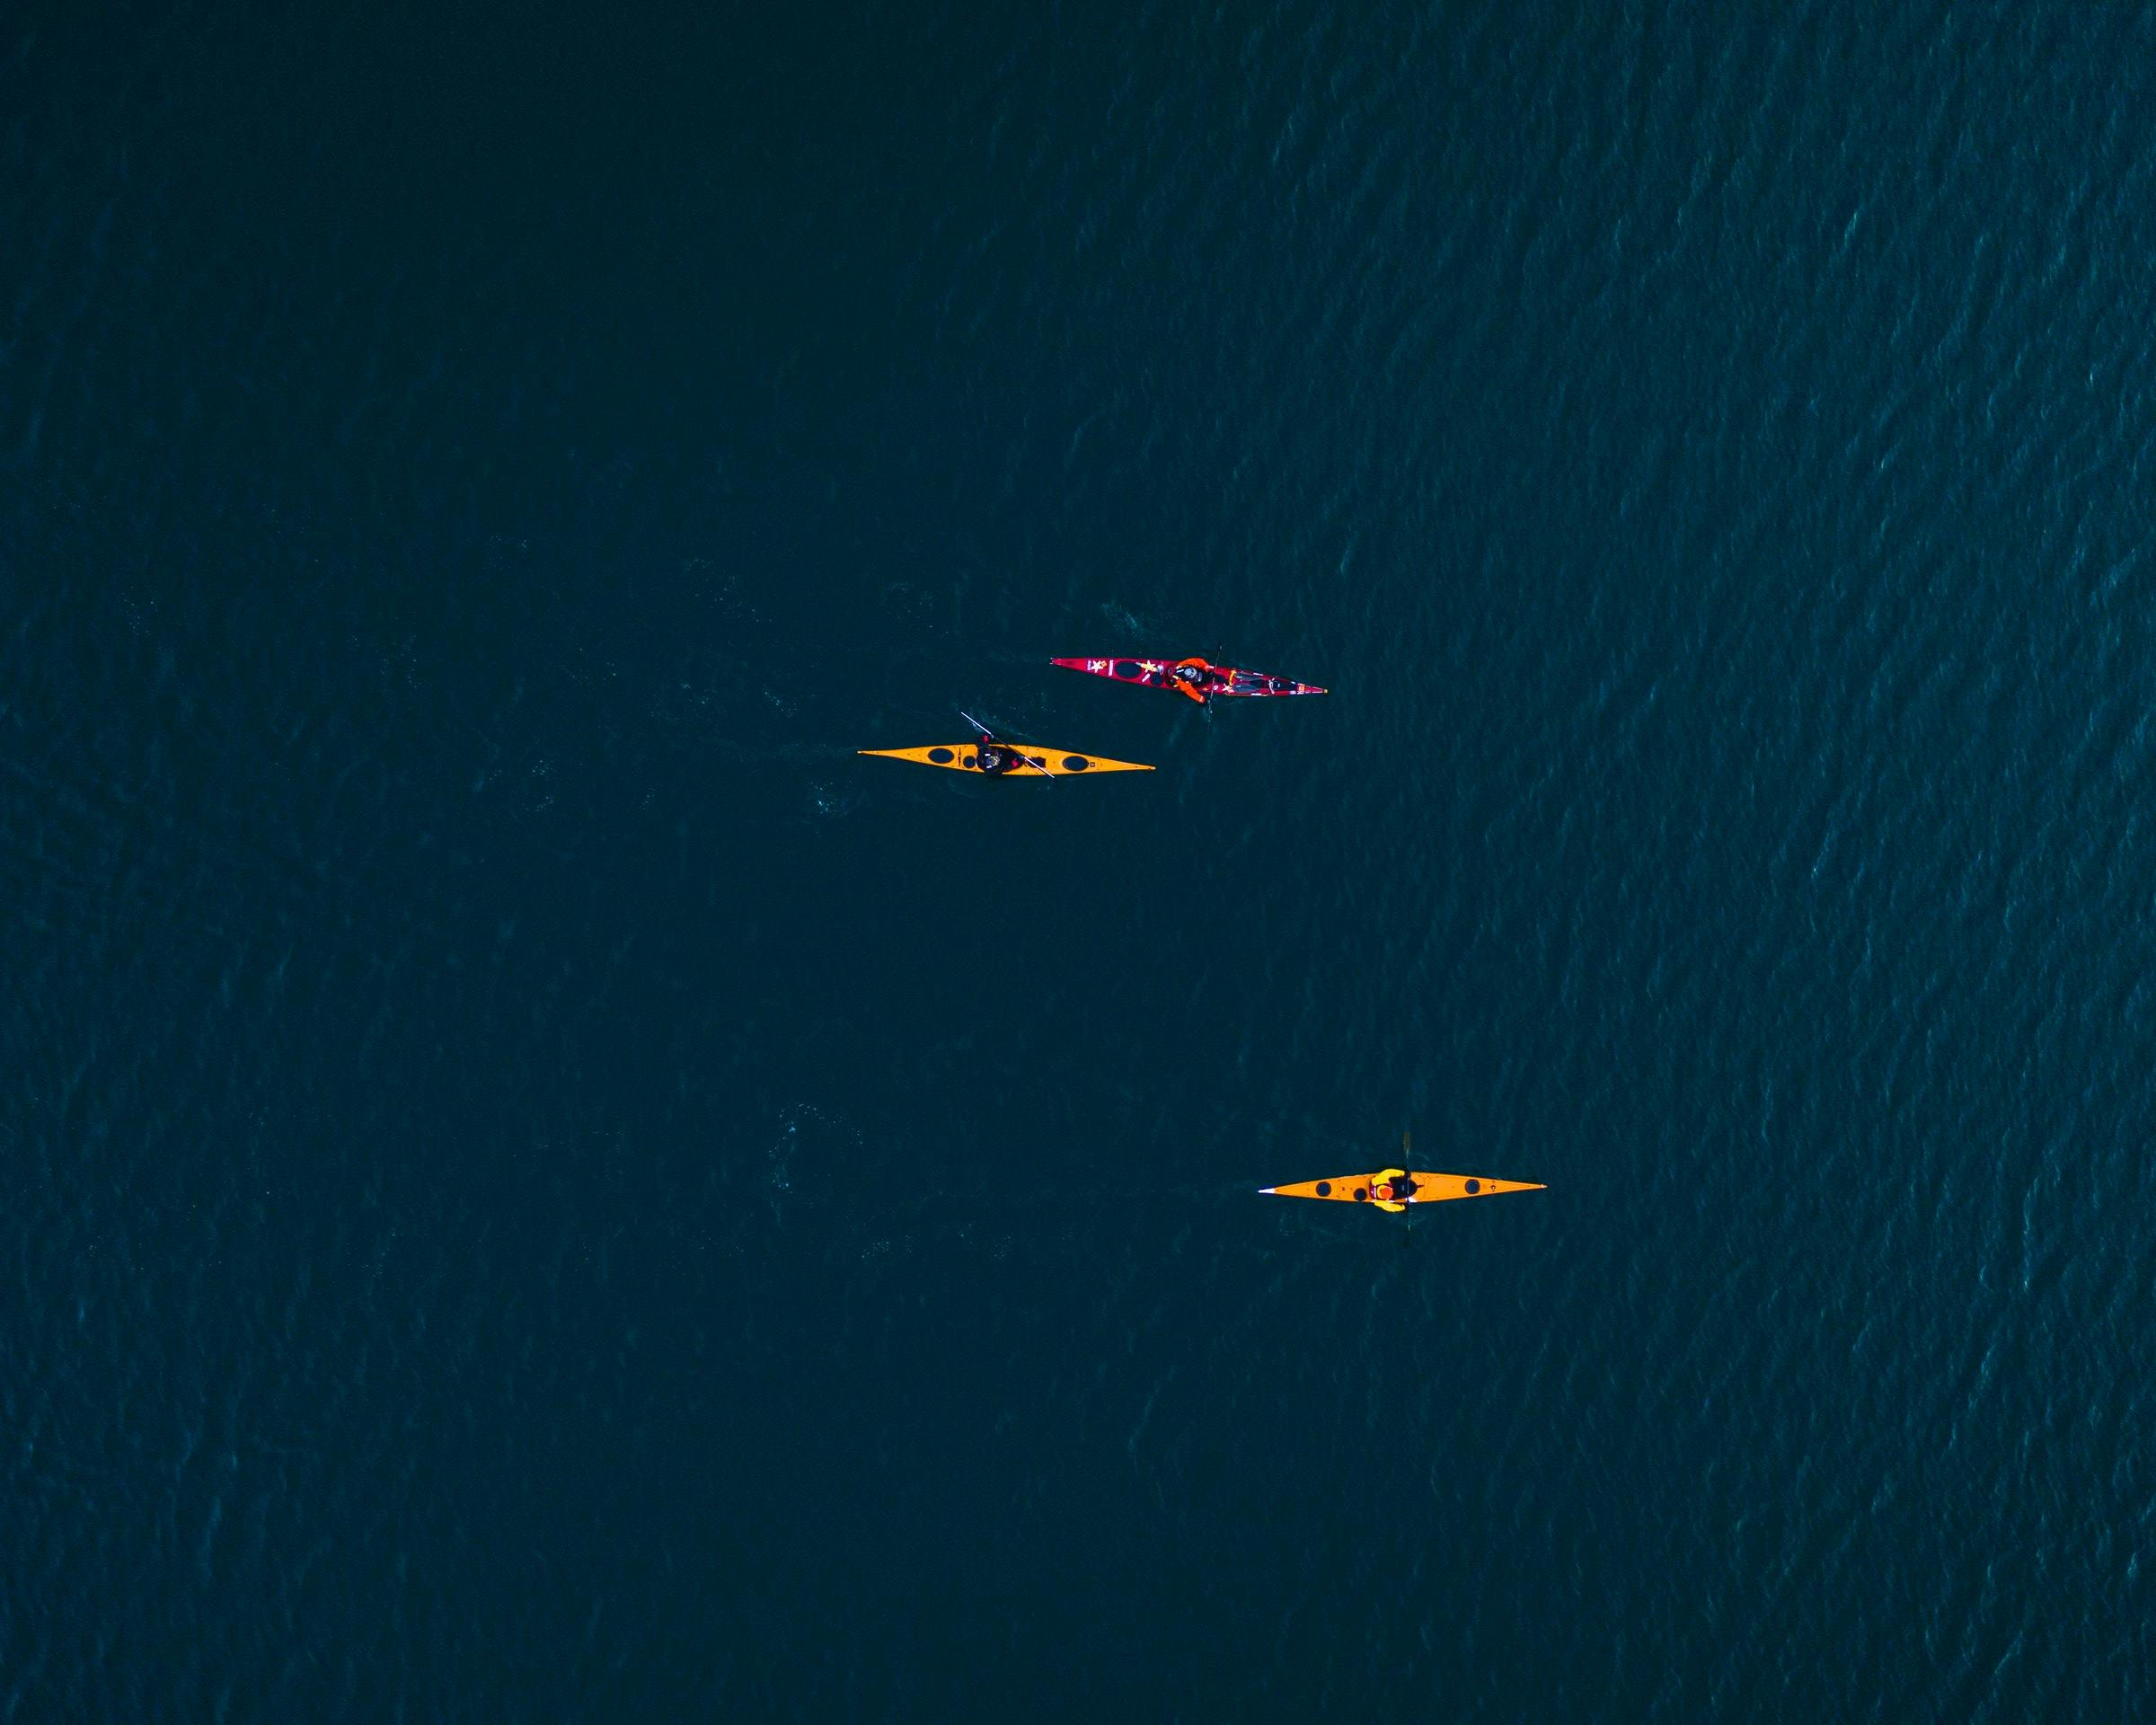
<point x="540" y="1186"/>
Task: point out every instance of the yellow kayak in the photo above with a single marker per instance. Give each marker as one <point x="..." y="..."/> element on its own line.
<point x="1035" y="762"/>
<point x="1428" y="1188"/>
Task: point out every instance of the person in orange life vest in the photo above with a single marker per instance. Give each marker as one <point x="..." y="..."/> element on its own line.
<point x="1390" y="1190"/>
<point x="1194" y="677"/>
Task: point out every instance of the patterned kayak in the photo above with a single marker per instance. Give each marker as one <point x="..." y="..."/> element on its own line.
<point x="1429" y="1189"/>
<point x="1035" y="763"/>
<point x="1226" y="682"/>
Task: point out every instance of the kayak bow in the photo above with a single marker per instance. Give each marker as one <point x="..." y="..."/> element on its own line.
<point x="1152" y="673"/>
<point x="1429" y="1189"/>
<point x="1035" y="762"/>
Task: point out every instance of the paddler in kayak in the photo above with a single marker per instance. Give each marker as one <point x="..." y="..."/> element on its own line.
<point x="996" y="758"/>
<point x="1194" y="677"/>
<point x="1390" y="1190"/>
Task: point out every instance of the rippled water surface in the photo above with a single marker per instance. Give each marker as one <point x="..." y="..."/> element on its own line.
<point x="540" y="1186"/>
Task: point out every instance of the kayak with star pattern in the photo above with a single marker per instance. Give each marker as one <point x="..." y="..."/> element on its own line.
<point x="1223" y="682"/>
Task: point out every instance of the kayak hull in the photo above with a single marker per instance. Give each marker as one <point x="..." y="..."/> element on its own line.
<point x="1039" y="763"/>
<point x="1429" y="1189"/>
<point x="1152" y="673"/>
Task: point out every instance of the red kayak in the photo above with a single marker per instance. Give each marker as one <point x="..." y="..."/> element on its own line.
<point x="1198" y="679"/>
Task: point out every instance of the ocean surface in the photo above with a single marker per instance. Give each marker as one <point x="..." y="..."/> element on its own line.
<point x="539" y="1186"/>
